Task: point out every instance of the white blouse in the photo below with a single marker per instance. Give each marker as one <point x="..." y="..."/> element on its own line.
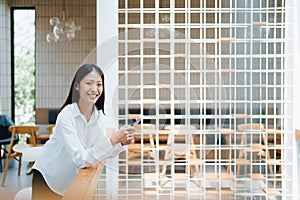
<point x="75" y="143"/>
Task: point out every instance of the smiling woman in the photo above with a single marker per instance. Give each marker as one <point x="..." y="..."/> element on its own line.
<point x="81" y="137"/>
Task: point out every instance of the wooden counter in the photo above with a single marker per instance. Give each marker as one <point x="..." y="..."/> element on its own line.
<point x="85" y="183"/>
<point x="297" y="133"/>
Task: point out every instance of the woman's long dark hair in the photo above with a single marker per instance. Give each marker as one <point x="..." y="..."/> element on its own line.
<point x="73" y="95"/>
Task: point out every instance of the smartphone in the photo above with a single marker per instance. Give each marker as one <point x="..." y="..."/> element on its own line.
<point x="137" y="120"/>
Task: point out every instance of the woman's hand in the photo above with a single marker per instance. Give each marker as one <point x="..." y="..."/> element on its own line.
<point x="124" y="135"/>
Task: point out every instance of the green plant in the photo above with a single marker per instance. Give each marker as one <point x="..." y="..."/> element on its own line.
<point x="25" y="88"/>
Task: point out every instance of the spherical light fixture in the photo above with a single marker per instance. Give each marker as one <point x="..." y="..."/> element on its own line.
<point x="62" y="30"/>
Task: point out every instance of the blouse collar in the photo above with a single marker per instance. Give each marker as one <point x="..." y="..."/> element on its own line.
<point x="77" y="112"/>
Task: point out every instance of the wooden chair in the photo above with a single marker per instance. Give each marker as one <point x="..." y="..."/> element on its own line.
<point x="274" y="141"/>
<point x="181" y="146"/>
<point x="142" y="150"/>
<point x="143" y="146"/>
<point x="15" y="150"/>
<point x="253" y="141"/>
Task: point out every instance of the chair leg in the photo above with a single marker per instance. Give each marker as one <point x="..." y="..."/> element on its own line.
<point x="30" y="170"/>
<point x="149" y="167"/>
<point x="1" y="159"/>
<point x="197" y="170"/>
<point x="1" y="163"/>
<point x="2" y="150"/>
<point x="5" y="170"/>
<point x="123" y="171"/>
<point x="238" y="172"/>
<point x="279" y="172"/>
<point x="19" y="165"/>
<point x="271" y="169"/>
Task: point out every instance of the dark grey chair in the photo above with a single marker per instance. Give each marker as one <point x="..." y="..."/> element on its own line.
<point x="5" y="136"/>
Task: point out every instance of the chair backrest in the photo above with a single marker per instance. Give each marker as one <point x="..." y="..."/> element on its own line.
<point x="181" y="132"/>
<point x="250" y="127"/>
<point x="4" y="133"/>
<point x="148" y="132"/>
<point x="52" y="115"/>
<point x="145" y="126"/>
<point x="5" y="136"/>
<point x="180" y="127"/>
<point x="5" y="123"/>
<point x="252" y="132"/>
<point x="50" y="128"/>
<point x="30" y="130"/>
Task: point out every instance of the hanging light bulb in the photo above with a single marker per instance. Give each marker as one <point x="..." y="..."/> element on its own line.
<point x="62" y="30"/>
<point x="54" y="21"/>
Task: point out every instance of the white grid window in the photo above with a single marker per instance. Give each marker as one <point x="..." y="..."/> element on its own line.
<point x="206" y="79"/>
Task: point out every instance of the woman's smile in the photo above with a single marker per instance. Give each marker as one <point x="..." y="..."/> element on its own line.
<point x="94" y="95"/>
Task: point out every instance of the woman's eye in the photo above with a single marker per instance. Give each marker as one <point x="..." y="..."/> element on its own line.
<point x="99" y="84"/>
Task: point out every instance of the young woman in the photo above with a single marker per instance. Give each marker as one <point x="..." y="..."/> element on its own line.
<point x="80" y="136"/>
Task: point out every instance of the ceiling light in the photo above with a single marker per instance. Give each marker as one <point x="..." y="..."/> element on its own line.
<point x="63" y="30"/>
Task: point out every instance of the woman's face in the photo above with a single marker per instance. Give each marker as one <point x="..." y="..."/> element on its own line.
<point x="90" y="88"/>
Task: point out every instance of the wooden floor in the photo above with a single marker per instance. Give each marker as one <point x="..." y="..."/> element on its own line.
<point x="13" y="182"/>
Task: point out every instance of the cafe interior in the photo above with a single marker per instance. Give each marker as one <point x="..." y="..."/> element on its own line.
<point x="209" y="85"/>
